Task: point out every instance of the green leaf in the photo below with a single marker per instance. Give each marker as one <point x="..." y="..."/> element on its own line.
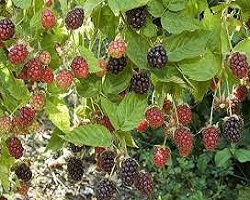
<point x="91" y="59"/>
<point x="90" y="5"/>
<point x="35" y="20"/>
<point x="89" y="87"/>
<point x="243" y="46"/>
<point x="58" y="113"/>
<point x="177" y="22"/>
<point x="137" y="49"/>
<point x="131" y="111"/>
<point x="186" y="45"/>
<point x="110" y="109"/>
<point x="104" y="19"/>
<point x="126" y="138"/>
<point x="124" y="5"/>
<point x="156" y="8"/>
<point x="114" y="84"/>
<point x="221" y="157"/>
<point x="177" y="5"/>
<point x="55" y="143"/>
<point x="149" y="30"/>
<point x="243" y="155"/>
<point x="23" y="4"/>
<point x="201" y="69"/>
<point x="89" y="135"/>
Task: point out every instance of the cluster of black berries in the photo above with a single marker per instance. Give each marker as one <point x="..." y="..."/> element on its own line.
<point x="129" y="174"/>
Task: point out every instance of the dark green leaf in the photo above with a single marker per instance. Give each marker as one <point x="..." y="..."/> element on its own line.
<point x="222" y="156"/>
<point x="243" y="155"/>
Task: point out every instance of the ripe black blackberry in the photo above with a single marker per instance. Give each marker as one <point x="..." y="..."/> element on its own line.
<point x="75" y="148"/>
<point x="106" y="161"/>
<point x="75" y="168"/>
<point x="74" y="18"/>
<point x="129" y="171"/>
<point x="140" y="83"/>
<point x="238" y="64"/>
<point x="157" y="56"/>
<point x="7" y="29"/>
<point x="105" y="190"/>
<point x="145" y="183"/>
<point x="136" y="18"/>
<point x="232" y="128"/>
<point x="23" y="172"/>
<point x="116" y="65"/>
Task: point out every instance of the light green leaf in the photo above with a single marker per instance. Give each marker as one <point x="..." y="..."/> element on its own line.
<point x="90" y="135"/>
<point x="243" y="46"/>
<point x="124" y="5"/>
<point x="104" y="19"/>
<point x="91" y="59"/>
<point x="186" y="45"/>
<point x="222" y="156"/>
<point x="114" y="84"/>
<point x="55" y="142"/>
<point x="58" y="113"/>
<point x="149" y="30"/>
<point x="177" y="22"/>
<point x="137" y="49"/>
<point x="23" y="4"/>
<point x="156" y="8"/>
<point x="177" y="5"/>
<point x="201" y="69"/>
<point x="90" y="5"/>
<point x="110" y="109"/>
<point x="243" y="155"/>
<point x="131" y="111"/>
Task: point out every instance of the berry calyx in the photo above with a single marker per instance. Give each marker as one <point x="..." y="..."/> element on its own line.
<point x="210" y="137"/>
<point x="105" y="190"/>
<point x="136" y="18"/>
<point x="79" y="67"/>
<point x="157" y="56"/>
<point x="232" y="128"/>
<point x="18" y="54"/>
<point x="64" y="79"/>
<point x="74" y="18"/>
<point x="161" y="155"/>
<point x="142" y="126"/>
<point x="5" y="124"/>
<point x="154" y="117"/>
<point x="184" y="140"/>
<point x="129" y="171"/>
<point x="15" y="147"/>
<point x="7" y="29"/>
<point x="184" y="114"/>
<point x="238" y="64"/>
<point x="117" y="65"/>
<point x="144" y="183"/>
<point x="117" y="48"/>
<point x="106" y="161"/>
<point x="48" y="19"/>
<point x="75" y="169"/>
<point x="23" y="172"/>
<point x="140" y="83"/>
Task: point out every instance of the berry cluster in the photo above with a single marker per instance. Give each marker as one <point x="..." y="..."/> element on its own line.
<point x="130" y="174"/>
